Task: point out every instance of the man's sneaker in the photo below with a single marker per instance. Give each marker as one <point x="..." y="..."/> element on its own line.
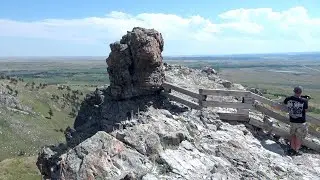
<point x="297" y="153"/>
<point x="290" y="152"/>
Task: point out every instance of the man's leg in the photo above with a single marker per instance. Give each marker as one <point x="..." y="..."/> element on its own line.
<point x="293" y="142"/>
<point x="298" y="144"/>
<point x="302" y="132"/>
<point x="292" y="139"/>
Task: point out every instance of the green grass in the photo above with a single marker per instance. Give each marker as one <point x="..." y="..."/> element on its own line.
<point x="21" y="135"/>
<point x="54" y="72"/>
<point x="27" y="133"/>
<point x="22" y="168"/>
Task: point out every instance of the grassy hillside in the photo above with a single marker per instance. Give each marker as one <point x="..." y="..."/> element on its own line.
<point x="23" y="134"/>
<point x="43" y="87"/>
<point x="22" y="168"/>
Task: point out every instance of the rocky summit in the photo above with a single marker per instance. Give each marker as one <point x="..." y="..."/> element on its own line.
<point x="129" y="131"/>
<point x="135" y="64"/>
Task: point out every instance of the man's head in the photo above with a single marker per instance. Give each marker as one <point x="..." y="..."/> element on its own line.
<point x="297" y="91"/>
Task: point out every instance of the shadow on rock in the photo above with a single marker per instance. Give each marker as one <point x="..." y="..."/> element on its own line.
<point x="114" y="114"/>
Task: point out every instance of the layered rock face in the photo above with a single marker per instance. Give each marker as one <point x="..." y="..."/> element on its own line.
<point x="135" y="64"/>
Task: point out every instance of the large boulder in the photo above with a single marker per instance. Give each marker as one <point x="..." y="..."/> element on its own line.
<point x="135" y="64"/>
<point x="100" y="157"/>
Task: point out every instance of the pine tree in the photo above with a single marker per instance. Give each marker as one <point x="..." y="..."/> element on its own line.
<point x="50" y="113"/>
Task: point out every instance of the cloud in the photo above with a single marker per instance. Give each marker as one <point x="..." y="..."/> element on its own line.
<point x="116" y="23"/>
<point x="261" y="27"/>
<point x="294" y="22"/>
<point x="112" y="26"/>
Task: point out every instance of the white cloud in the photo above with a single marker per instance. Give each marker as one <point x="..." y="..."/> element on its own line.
<point x="194" y="31"/>
<point x="247" y="27"/>
<point x="111" y="26"/>
<point x="294" y="21"/>
<point x="115" y="24"/>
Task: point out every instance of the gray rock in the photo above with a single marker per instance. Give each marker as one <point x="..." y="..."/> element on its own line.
<point x="11" y="102"/>
<point x="135" y="64"/>
<point x="225" y="153"/>
<point x="101" y="157"/>
<point x="226" y="84"/>
<point x="256" y="91"/>
<point x="209" y="70"/>
<point x="152" y="138"/>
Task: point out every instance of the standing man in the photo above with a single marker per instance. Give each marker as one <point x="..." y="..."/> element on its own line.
<point x="297" y="107"/>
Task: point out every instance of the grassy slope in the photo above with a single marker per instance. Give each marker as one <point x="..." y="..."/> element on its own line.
<point x="22" y="168"/>
<point x="21" y="132"/>
<point x="27" y="133"/>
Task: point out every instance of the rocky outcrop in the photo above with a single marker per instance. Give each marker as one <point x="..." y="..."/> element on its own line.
<point x="10" y="101"/>
<point x="136" y="74"/>
<point x="135" y="64"/>
<point x="209" y="70"/>
<point x="256" y="91"/>
<point x="135" y="133"/>
<point x="186" y="145"/>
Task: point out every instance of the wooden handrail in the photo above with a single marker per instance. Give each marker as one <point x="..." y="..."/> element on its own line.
<point x="281" y="117"/>
<point x="262" y="99"/>
<point x="222" y="92"/>
<point x="180" y="100"/>
<point x="201" y="96"/>
<point x="234" y="117"/>
<point x="168" y="86"/>
<point x="237" y="105"/>
<point x="265" y="100"/>
<point x="285" y="133"/>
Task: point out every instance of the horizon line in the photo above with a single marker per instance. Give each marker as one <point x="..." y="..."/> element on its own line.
<point x="173" y="56"/>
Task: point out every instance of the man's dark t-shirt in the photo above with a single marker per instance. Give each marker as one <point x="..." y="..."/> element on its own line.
<point x="297" y="109"/>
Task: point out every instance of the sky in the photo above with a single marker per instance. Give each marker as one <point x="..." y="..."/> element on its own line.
<point x="204" y="27"/>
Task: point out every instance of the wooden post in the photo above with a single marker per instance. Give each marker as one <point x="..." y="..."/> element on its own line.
<point x="201" y="98"/>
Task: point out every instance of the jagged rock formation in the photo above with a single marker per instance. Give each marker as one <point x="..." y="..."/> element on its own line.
<point x="135" y="64"/>
<point x="209" y="70"/>
<point x="256" y="91"/>
<point x="148" y="137"/>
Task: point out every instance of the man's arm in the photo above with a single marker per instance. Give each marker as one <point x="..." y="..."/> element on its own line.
<point x="306" y="105"/>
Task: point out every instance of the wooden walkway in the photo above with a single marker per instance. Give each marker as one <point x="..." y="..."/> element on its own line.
<point x="250" y="101"/>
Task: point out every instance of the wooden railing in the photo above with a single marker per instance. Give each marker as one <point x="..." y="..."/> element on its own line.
<point x="248" y="101"/>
